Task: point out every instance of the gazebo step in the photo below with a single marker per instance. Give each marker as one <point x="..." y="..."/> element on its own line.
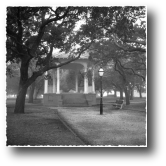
<point x="75" y="105"/>
<point x="74" y="100"/>
<point x="69" y="100"/>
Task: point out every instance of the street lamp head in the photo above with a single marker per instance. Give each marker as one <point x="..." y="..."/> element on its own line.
<point x="101" y="72"/>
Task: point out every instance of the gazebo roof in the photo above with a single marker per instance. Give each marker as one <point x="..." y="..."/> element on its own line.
<point x="77" y="64"/>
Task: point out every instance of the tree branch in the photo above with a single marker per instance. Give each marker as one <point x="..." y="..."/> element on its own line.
<point x="126" y="49"/>
<point x="49" y="54"/>
<point x="18" y="41"/>
<point x="42" y="27"/>
<point x="122" y="74"/>
<point x="18" y="53"/>
<point x="72" y="59"/>
<point x="22" y="45"/>
<point x="54" y="19"/>
<point x="136" y="41"/>
<point x="11" y="33"/>
<point x="131" y="70"/>
<point x="20" y="29"/>
<point x="47" y="67"/>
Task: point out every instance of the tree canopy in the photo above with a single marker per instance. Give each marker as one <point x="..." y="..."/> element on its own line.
<point x="34" y="32"/>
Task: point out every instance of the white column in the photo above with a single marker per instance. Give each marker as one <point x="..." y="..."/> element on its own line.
<point x="58" y="81"/>
<point x="76" y="79"/>
<point x="46" y="84"/>
<point x="85" y="80"/>
<point x="54" y="82"/>
<point x="93" y="81"/>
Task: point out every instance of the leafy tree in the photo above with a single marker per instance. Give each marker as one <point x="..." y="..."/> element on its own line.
<point x="121" y="66"/>
<point x="32" y="33"/>
<point x="124" y="26"/>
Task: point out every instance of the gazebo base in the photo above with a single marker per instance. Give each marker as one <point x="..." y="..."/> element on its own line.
<point x="69" y="99"/>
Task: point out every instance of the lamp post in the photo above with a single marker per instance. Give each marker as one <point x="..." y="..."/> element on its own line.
<point x="101" y="72"/>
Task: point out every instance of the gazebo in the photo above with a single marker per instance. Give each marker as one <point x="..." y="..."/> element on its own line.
<point x="54" y="96"/>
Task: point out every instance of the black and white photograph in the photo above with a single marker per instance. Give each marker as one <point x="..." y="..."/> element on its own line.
<point x="76" y="76"/>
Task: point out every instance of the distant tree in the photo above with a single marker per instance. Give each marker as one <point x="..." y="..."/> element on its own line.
<point x="12" y="85"/>
<point x="39" y="88"/>
<point x="12" y="79"/>
<point x="140" y="86"/>
<point x="127" y="58"/>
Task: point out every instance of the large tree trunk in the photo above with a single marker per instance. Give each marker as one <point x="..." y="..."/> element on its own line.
<point x="20" y="101"/>
<point x="35" y="94"/>
<point x="127" y="96"/>
<point x="132" y="94"/>
<point x="121" y="94"/>
<point x="139" y="90"/>
<point x="115" y="94"/>
<point x="140" y="93"/>
<point x="31" y="92"/>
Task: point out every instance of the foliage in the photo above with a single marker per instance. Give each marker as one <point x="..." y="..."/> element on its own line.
<point x="34" y="32"/>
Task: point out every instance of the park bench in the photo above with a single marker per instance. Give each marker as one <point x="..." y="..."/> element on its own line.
<point x="118" y="104"/>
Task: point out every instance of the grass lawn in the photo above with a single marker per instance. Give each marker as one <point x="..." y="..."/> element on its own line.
<point x="138" y="104"/>
<point x="125" y="127"/>
<point x="38" y="126"/>
<point x="41" y="126"/>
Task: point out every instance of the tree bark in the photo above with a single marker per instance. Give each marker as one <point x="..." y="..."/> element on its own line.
<point x="31" y="92"/>
<point x="127" y="96"/>
<point x="121" y="94"/>
<point x="115" y="93"/>
<point x="139" y="90"/>
<point x="35" y="94"/>
<point x="20" y="101"/>
<point x="140" y="93"/>
<point x="132" y="94"/>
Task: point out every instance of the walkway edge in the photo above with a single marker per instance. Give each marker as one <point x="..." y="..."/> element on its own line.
<point x="73" y="129"/>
